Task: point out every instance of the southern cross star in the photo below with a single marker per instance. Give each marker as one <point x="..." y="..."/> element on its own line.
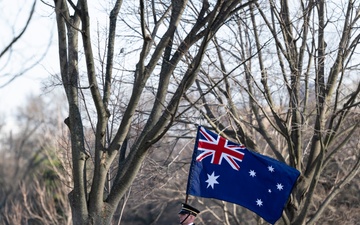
<point x="271" y="169"/>
<point x="280" y="187"/>
<point x="259" y="202"/>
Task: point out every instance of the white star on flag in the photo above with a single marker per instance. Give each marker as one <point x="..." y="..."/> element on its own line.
<point x="212" y="180"/>
<point x="252" y="173"/>
<point x="259" y="202"/>
<point x="271" y="169"/>
<point x="280" y="187"/>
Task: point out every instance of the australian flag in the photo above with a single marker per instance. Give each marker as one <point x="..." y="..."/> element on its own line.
<point x="227" y="171"/>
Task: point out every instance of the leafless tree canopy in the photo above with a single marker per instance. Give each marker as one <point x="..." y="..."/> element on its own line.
<point x="280" y="77"/>
<point x="167" y="31"/>
<point x="283" y="81"/>
<point x="269" y="75"/>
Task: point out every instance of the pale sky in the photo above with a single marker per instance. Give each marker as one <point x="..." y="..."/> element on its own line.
<point x="38" y="40"/>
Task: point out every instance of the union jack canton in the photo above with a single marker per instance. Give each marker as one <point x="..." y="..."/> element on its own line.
<point x="219" y="148"/>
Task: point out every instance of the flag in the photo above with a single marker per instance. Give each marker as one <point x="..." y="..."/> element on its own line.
<point x="227" y="171"/>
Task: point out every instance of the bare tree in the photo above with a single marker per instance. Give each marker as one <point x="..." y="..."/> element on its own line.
<point x="166" y="36"/>
<point x="31" y="191"/>
<point x="296" y="97"/>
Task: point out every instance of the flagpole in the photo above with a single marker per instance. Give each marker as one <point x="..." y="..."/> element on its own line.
<point x="191" y="165"/>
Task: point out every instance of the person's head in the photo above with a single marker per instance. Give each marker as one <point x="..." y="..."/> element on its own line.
<point x="187" y="214"/>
